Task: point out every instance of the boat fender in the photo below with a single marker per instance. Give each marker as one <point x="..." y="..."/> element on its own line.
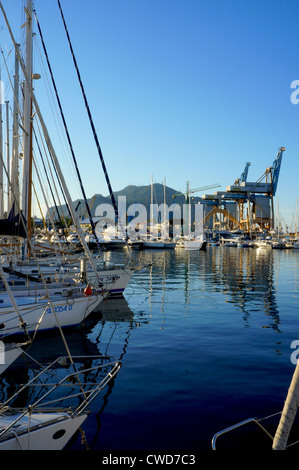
<point x="87" y="290"/>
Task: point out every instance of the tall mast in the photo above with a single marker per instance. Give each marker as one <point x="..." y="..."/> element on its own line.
<point x="51" y="149"/>
<point x="15" y="141"/>
<point x="152" y="202"/>
<point x="7" y="155"/>
<point x="26" y="183"/>
<point x="296" y="218"/>
<point x="1" y="160"/>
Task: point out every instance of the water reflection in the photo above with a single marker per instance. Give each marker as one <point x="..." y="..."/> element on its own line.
<point x="209" y="305"/>
<point x="109" y="327"/>
<point x="244" y="276"/>
<point x="104" y="336"/>
<point x="247" y="279"/>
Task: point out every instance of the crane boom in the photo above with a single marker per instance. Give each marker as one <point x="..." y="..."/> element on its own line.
<point x="245" y="172"/>
<point x="276" y="168"/>
<point x="202" y="188"/>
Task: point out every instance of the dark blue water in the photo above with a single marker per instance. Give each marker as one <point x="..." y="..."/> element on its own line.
<point x="205" y="342"/>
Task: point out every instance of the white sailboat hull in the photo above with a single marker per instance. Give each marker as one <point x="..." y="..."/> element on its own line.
<point x="264" y="246"/>
<point x="68" y="312"/>
<point x="190" y="244"/>
<point x="39" y="431"/>
<point x="112" y="280"/>
<point x="193" y="245"/>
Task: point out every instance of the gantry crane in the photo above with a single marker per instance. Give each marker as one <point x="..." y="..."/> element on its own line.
<point x="262" y="191"/>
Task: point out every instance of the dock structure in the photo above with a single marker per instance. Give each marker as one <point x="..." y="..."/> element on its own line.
<point x="244" y="205"/>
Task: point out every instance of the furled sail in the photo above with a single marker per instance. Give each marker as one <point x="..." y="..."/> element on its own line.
<point x="14" y="225"/>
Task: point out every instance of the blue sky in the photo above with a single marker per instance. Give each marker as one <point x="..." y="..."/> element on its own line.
<point x="186" y="90"/>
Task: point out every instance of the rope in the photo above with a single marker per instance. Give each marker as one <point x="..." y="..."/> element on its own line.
<point x="83" y="439"/>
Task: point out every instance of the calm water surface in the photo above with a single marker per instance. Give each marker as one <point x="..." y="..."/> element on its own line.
<point x="204" y="338"/>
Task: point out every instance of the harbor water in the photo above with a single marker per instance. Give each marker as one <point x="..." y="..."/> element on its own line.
<point x="206" y="341"/>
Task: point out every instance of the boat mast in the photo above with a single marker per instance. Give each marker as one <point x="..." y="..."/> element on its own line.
<point x="51" y="148"/>
<point x="152" y="207"/>
<point x="26" y="183"/>
<point x="7" y="154"/>
<point x="188" y="204"/>
<point x="15" y="142"/>
<point x="1" y="160"/>
<point x="296" y="219"/>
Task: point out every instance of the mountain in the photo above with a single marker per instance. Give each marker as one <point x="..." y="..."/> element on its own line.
<point x="134" y="194"/>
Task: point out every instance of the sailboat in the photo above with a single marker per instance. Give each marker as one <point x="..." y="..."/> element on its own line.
<point x="67" y="277"/>
<point x="39" y="425"/>
<point x="195" y="244"/>
<point x="153" y="241"/>
<point x="46" y="309"/>
<point x="44" y="314"/>
<point x="44" y="424"/>
<point x="190" y="242"/>
<point x="113" y="280"/>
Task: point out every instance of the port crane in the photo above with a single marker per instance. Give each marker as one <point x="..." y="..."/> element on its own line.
<point x="262" y="191"/>
<point x="273" y="171"/>
<point x="245" y="172"/>
<point x="243" y="177"/>
<point x="189" y="191"/>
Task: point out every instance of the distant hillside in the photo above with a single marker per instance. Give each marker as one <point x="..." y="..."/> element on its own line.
<point x="134" y="195"/>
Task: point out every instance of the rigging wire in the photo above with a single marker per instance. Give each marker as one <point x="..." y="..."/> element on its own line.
<point x="47" y="177"/>
<point x="69" y="139"/>
<point x="46" y="203"/>
<point x="94" y="130"/>
<point x="35" y="258"/>
<point x="58" y="179"/>
<point x="50" y="147"/>
<point x="90" y="116"/>
<point x="55" y="113"/>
